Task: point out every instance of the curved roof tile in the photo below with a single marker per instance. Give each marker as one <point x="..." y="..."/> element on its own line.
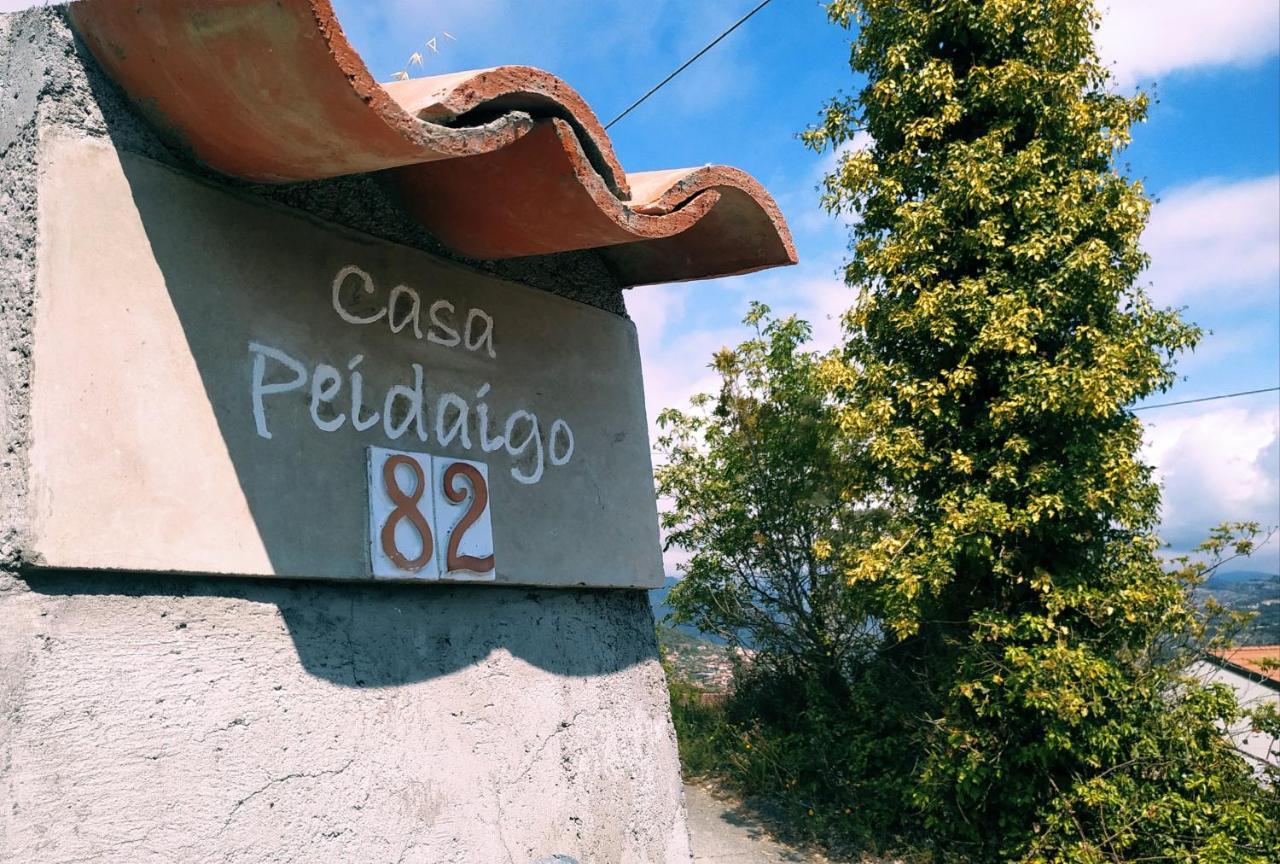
<point x="498" y="163"/>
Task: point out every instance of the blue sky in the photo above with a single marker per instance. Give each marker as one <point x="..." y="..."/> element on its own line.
<point x="1210" y="155"/>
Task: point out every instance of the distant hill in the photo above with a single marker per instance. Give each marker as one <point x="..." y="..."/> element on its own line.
<point x="658" y="598"/>
<point x="1249" y="591"/>
<point x="662" y="612"/>
<point x="1235" y="577"/>
<point x="1241" y="590"/>
<point x="706" y="665"/>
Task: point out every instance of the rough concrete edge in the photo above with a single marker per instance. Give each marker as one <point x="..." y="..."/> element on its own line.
<point x="25" y="69"/>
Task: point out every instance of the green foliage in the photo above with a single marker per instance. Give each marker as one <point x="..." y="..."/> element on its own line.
<point x="759" y="495"/>
<point x="831" y="758"/>
<point x="827" y="761"/>
<point x="998" y="337"/>
<point x="762" y="495"/>
<point x="994" y="653"/>
<point x="703" y="734"/>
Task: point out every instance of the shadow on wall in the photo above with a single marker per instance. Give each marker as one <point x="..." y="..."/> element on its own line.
<point x="221" y="274"/>
<point x="382" y="635"/>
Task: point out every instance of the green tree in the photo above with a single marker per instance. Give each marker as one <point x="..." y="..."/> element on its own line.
<point x="755" y="490"/>
<point x="999" y="334"/>
<point x="761" y="493"/>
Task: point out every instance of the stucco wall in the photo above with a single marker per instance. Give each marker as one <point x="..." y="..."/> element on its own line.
<point x="1251" y="693"/>
<point x="172" y="719"/>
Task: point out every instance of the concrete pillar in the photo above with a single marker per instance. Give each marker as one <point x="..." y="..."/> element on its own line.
<point x="162" y="718"/>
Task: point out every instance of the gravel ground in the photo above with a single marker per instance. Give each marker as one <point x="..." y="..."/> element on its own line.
<point x="721" y="831"/>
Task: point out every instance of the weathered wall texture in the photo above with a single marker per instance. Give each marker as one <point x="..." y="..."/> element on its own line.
<point x="154" y="365"/>
<point x="163" y="721"/>
<point x="147" y="719"/>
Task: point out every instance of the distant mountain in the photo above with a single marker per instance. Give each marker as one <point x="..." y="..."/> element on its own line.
<point x="658" y="597"/>
<point x="1243" y="590"/>
<point x="1252" y="591"/>
<point x="1237" y="577"/>
<point x="662" y="611"/>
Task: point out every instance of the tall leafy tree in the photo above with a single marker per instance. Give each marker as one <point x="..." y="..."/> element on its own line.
<point x="999" y="336"/>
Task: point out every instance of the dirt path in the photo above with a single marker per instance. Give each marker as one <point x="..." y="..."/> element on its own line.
<point x="722" y="831"/>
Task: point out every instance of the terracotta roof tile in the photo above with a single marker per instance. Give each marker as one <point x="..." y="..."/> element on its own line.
<point x="498" y="163"/>
<point x="1250" y="660"/>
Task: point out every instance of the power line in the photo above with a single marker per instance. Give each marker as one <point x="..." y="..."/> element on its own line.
<point x="1207" y="398"/>
<point x="713" y="43"/>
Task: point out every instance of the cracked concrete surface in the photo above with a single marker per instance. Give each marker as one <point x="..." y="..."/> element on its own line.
<point x="228" y="721"/>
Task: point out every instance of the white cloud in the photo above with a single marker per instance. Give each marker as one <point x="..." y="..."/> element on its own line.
<point x="18" y="5"/>
<point x="1217" y="464"/>
<point x="816" y="294"/>
<point x="1216" y="241"/>
<point x="676" y="355"/>
<point x="676" y="359"/>
<point x="801" y="201"/>
<point x="675" y="362"/>
<point x="823" y="304"/>
<point x="676" y="351"/>
<point x="1148" y="38"/>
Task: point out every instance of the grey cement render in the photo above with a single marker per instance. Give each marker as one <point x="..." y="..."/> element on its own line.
<point x="155" y="292"/>
<point x="172" y="719"/>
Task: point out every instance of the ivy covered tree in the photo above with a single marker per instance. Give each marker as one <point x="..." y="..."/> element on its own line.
<point x="999" y="336"/>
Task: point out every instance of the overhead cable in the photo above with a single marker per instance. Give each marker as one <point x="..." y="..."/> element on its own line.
<point x="686" y="64"/>
<point x="1206" y="399"/>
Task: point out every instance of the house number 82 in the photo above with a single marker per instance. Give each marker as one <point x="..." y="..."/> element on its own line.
<point x="418" y="501"/>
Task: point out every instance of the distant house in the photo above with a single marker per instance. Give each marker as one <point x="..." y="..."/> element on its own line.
<point x="1255" y="684"/>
